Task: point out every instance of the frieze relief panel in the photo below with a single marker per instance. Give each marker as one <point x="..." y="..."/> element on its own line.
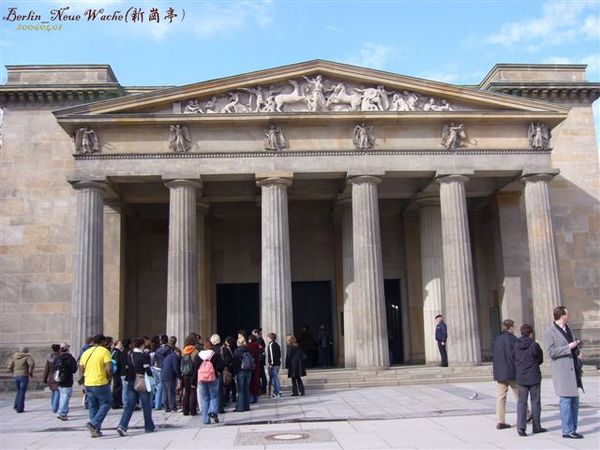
<point x="316" y="94"/>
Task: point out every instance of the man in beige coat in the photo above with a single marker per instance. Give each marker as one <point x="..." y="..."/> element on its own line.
<point x="21" y="365"/>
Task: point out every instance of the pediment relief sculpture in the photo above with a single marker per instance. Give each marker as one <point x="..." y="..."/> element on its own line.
<point x="179" y="139"/>
<point x="315" y="94"/>
<point x="86" y="141"/>
<point x="538" y="136"/>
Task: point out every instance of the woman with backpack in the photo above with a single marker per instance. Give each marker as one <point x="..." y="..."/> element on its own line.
<point x="294" y="363"/>
<point x="208" y="383"/>
<point x="190" y="362"/>
<point x="49" y="378"/>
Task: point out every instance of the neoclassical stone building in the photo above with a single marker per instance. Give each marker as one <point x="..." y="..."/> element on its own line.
<point x="306" y="194"/>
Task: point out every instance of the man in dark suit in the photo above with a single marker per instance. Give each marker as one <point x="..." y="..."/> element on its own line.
<point x="441" y="335"/>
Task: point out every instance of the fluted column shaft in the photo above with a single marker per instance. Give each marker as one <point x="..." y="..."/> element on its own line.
<point x="87" y="302"/>
<point x="459" y="288"/>
<point x="432" y="269"/>
<point x="182" y="271"/>
<point x="370" y="331"/>
<point x="276" y="281"/>
<point x="345" y="206"/>
<point x="545" y="281"/>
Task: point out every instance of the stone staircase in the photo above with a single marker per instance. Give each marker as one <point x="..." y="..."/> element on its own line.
<point x="351" y="378"/>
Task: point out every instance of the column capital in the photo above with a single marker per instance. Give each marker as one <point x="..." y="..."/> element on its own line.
<point x="425" y="199"/>
<point x="360" y="179"/>
<point x="270" y="181"/>
<point x="449" y="178"/>
<point x="534" y="176"/>
<point x="89" y="184"/>
<point x="180" y="182"/>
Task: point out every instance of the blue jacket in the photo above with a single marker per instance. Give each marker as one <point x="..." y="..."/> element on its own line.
<point x="441" y="333"/>
<point x="170" y="368"/>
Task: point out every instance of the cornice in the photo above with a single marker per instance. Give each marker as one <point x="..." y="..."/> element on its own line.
<point x="550" y="91"/>
<point x="58" y="94"/>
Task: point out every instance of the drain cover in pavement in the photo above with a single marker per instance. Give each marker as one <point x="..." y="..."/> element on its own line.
<point x="285" y="436"/>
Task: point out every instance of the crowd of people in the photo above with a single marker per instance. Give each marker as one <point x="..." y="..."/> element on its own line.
<point x="155" y="374"/>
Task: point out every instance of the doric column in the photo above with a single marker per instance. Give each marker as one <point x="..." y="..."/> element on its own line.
<point x="182" y="271"/>
<point x="344" y="205"/>
<point x="370" y="331"/>
<point x="87" y="300"/>
<point x="432" y="269"/>
<point x="459" y="288"/>
<point x="545" y="283"/>
<point x="276" y="279"/>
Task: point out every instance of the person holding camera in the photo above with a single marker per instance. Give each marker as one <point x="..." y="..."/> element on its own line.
<point x="563" y="350"/>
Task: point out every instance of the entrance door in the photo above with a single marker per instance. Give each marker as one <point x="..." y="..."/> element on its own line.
<point x="237" y="308"/>
<point x="312" y="302"/>
<point x="394" y="320"/>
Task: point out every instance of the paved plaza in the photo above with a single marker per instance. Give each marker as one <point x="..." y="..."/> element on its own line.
<point x="443" y="416"/>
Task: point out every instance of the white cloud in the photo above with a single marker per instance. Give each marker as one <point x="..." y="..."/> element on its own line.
<point x="559" y="23"/>
<point x="452" y="73"/>
<point x="373" y="55"/>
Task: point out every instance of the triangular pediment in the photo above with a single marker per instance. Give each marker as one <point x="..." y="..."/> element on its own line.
<point x="313" y="87"/>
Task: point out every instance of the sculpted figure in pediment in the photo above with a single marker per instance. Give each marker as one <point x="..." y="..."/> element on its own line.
<point x="234" y="105"/>
<point x="539" y="135"/>
<point x="343" y="96"/>
<point x="296" y="96"/>
<point x="86" y="141"/>
<point x="453" y="135"/>
<point x="374" y="99"/>
<point x="316" y="100"/>
<point x="193" y="107"/>
<point x="362" y="137"/>
<point x="260" y="97"/>
<point x="179" y="139"/>
<point x="433" y="105"/>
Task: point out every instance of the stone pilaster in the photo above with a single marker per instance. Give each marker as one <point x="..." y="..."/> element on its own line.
<point x="459" y="288"/>
<point x="345" y="208"/>
<point x="182" y="272"/>
<point x="545" y="282"/>
<point x="432" y="270"/>
<point x="276" y="280"/>
<point x="371" y="338"/>
<point x="114" y="268"/>
<point x="87" y="301"/>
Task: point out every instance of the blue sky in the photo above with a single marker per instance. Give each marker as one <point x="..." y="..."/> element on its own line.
<point x="451" y="41"/>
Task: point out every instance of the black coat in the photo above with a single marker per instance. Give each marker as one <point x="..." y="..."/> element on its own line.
<point x="70" y="365"/>
<point x="294" y="362"/>
<point x="502" y="355"/>
<point x="237" y="358"/>
<point x="528" y="358"/>
<point x="273" y="352"/>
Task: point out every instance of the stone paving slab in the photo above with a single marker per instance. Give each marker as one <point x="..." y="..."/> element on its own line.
<point x="420" y="416"/>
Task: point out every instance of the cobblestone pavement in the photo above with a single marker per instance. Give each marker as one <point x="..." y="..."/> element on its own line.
<point x="441" y="416"/>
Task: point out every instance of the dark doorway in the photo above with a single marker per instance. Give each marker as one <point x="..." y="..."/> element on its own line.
<point x="237" y="308"/>
<point x="393" y="310"/>
<point x="311" y="302"/>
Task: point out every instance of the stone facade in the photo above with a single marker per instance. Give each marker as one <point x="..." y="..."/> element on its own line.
<point x="128" y="213"/>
